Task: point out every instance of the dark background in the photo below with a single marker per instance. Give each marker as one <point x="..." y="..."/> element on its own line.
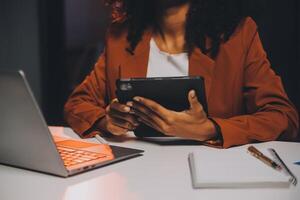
<point x="57" y="42"/>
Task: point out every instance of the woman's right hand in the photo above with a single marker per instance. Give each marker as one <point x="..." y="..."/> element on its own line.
<point x="118" y="120"/>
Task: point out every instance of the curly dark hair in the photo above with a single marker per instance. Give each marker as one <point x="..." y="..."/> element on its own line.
<point x="214" y="19"/>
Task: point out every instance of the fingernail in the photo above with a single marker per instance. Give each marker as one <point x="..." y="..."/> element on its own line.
<point x="137" y="99"/>
<point x="126" y="109"/>
<point x="193" y="94"/>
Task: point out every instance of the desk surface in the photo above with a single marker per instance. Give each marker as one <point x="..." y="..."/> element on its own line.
<point x="161" y="173"/>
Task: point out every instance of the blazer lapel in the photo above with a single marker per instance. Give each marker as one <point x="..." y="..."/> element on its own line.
<point x="135" y="66"/>
<point x="202" y="65"/>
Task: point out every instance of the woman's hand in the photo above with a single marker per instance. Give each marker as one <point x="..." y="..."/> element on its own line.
<point x="118" y="119"/>
<point x="190" y="124"/>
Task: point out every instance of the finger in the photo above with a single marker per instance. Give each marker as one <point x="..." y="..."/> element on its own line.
<point x="123" y="124"/>
<point x="116" y="130"/>
<point x="145" y="113"/>
<point x="150" y="124"/>
<point x="154" y="121"/>
<point x="115" y="105"/>
<point x="124" y="116"/>
<point x="195" y="105"/>
<point x="155" y="107"/>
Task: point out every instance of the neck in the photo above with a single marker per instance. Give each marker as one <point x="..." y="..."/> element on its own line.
<point x="172" y="23"/>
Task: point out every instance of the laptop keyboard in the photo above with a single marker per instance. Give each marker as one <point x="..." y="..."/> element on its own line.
<point x="74" y="156"/>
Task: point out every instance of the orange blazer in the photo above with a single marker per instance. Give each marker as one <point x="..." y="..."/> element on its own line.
<point x="245" y="97"/>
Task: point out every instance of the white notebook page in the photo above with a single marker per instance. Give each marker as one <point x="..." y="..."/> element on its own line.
<point x="233" y="168"/>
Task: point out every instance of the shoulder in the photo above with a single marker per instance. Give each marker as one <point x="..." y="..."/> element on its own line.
<point x="116" y="43"/>
<point x="116" y="40"/>
<point x="243" y="36"/>
<point x="248" y="26"/>
<point x="117" y="33"/>
<point x="246" y="30"/>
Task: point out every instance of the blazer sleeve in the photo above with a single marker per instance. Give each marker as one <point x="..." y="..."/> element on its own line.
<point x="86" y="105"/>
<point x="270" y="114"/>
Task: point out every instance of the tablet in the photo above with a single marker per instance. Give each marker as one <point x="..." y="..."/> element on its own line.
<point x="170" y="92"/>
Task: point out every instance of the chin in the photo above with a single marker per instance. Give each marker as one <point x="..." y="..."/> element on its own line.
<point x="165" y="4"/>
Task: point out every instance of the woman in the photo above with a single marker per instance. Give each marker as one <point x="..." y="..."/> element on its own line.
<point x="211" y="38"/>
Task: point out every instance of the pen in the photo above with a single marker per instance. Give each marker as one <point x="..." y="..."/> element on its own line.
<point x="293" y="179"/>
<point x="101" y="139"/>
<point x="257" y="154"/>
<point x="297" y="163"/>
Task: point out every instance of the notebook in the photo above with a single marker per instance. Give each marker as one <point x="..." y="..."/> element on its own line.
<point x="233" y="168"/>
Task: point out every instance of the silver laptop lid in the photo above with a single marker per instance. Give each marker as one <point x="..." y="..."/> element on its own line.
<point x="25" y="140"/>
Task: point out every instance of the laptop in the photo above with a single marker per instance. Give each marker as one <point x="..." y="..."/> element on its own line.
<point x="26" y="141"/>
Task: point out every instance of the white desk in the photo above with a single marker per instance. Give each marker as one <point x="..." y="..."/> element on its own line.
<point x="161" y="173"/>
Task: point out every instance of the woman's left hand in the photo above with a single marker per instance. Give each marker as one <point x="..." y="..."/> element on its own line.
<point x="189" y="124"/>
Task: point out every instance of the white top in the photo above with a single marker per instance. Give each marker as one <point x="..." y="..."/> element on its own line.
<point x="163" y="64"/>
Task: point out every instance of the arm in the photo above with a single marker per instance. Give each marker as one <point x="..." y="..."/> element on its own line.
<point x="86" y="105"/>
<point x="88" y="112"/>
<point x="270" y="113"/>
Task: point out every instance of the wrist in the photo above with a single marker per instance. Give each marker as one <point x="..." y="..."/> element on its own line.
<point x="102" y="126"/>
<point x="211" y="130"/>
<point x="218" y="133"/>
<point x="102" y="123"/>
